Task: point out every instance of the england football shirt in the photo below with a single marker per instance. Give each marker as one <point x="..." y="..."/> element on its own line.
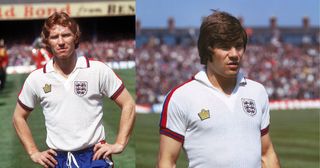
<point x="72" y="106"/>
<point x="217" y="130"/>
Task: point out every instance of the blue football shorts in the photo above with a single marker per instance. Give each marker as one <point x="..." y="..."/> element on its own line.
<point x="81" y="159"/>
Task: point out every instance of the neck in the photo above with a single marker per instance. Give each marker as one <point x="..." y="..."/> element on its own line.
<point x="224" y="84"/>
<point x="65" y="66"/>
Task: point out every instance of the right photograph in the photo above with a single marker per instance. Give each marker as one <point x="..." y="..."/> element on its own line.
<point x="227" y="84"/>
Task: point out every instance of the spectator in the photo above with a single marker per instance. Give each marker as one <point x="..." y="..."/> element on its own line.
<point x="287" y="71"/>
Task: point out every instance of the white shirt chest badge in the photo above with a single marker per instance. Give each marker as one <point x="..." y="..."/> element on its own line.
<point x="249" y="106"/>
<point x="204" y="114"/>
<point x="80" y="88"/>
<point x="47" y="88"/>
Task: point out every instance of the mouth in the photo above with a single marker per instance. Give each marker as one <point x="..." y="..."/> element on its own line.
<point x="233" y="65"/>
<point x="60" y="50"/>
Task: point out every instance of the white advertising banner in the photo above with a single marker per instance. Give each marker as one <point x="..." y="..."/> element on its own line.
<point x="74" y="9"/>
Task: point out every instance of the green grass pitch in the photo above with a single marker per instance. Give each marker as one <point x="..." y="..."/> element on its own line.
<point x="12" y="153"/>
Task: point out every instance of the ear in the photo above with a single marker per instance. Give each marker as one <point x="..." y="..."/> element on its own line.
<point x="76" y="41"/>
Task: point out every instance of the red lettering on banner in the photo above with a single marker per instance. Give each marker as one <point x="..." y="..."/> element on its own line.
<point x="8" y="13"/>
<point x="40" y="12"/>
<point x="28" y="11"/>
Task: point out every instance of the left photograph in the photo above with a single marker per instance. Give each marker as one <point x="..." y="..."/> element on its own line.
<point x="67" y="95"/>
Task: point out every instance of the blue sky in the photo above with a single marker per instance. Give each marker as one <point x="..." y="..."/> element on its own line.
<point x="188" y="13"/>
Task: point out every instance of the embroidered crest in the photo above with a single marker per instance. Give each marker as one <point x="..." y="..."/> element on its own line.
<point x="249" y="106"/>
<point x="80" y="88"/>
<point x="47" y="88"/>
<point x="204" y="114"/>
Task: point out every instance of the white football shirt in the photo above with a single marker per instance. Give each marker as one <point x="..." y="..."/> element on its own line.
<point x="72" y="106"/>
<point x="217" y="130"/>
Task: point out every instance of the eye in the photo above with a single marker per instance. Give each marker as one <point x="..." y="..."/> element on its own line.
<point x="66" y="35"/>
<point x="225" y="48"/>
<point x="53" y="37"/>
<point x="239" y="46"/>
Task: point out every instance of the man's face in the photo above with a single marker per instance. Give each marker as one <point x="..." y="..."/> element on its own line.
<point x="226" y="60"/>
<point x="61" y="41"/>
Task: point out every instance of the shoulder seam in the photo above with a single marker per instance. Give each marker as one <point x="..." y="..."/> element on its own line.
<point x="163" y="119"/>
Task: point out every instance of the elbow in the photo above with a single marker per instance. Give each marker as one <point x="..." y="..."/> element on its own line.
<point x="165" y="164"/>
<point x="132" y="107"/>
<point x="133" y="110"/>
<point x="14" y="120"/>
<point x="129" y="110"/>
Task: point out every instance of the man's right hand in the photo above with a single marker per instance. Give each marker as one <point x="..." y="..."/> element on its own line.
<point x="45" y="158"/>
<point x="19" y="120"/>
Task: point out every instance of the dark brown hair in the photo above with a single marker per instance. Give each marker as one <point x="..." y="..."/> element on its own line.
<point x="63" y="19"/>
<point x="220" y="29"/>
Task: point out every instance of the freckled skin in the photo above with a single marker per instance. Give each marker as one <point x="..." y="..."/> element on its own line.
<point x="62" y="42"/>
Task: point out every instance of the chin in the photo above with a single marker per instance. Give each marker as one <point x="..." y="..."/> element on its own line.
<point x="232" y="74"/>
<point x="64" y="56"/>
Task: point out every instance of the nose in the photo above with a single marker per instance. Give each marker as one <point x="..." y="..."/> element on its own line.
<point x="60" y="40"/>
<point x="234" y="53"/>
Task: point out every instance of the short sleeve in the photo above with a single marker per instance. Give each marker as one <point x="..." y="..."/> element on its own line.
<point x="173" y="120"/>
<point x="265" y="122"/>
<point x="27" y="97"/>
<point x="111" y="84"/>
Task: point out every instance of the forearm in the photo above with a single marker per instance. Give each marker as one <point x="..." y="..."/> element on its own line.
<point x="269" y="156"/>
<point x="24" y="133"/>
<point x="270" y="161"/>
<point x="126" y="123"/>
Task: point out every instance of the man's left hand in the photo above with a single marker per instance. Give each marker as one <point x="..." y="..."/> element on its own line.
<point x="104" y="150"/>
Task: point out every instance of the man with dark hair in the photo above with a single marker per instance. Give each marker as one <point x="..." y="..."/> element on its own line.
<point x="219" y="117"/>
<point x="70" y="89"/>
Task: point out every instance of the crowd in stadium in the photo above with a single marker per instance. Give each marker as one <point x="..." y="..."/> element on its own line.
<point x="20" y="54"/>
<point x="105" y="51"/>
<point x="287" y="71"/>
<point x="161" y="67"/>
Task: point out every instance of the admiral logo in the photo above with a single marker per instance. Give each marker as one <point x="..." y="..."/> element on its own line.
<point x="249" y="106"/>
<point x="204" y="114"/>
<point x="80" y="88"/>
<point x="47" y="88"/>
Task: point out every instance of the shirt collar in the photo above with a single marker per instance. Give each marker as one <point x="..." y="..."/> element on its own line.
<point x="82" y="62"/>
<point x="202" y="77"/>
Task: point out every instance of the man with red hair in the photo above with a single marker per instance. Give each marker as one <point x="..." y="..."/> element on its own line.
<point x="70" y="89"/>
